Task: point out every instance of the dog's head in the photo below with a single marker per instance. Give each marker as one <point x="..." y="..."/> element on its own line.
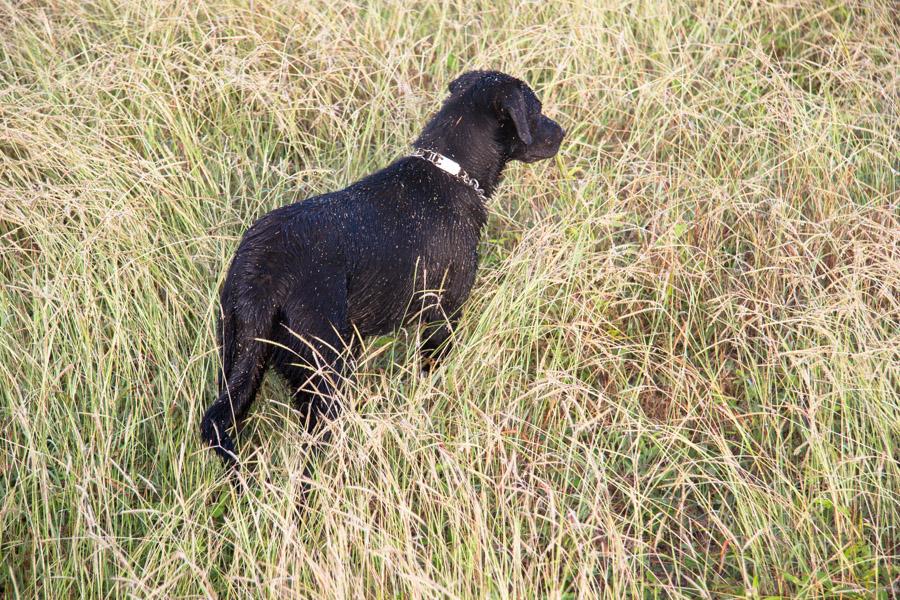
<point x="524" y="131"/>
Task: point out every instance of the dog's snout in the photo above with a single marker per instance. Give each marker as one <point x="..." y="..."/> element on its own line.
<point x="556" y="131"/>
<point x="560" y="132"/>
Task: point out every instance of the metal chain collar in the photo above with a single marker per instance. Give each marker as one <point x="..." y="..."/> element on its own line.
<point x="451" y="167"/>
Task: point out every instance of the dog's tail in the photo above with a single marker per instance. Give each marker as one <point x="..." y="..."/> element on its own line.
<point x="244" y="356"/>
<point x="214" y="431"/>
<point x="220" y="417"/>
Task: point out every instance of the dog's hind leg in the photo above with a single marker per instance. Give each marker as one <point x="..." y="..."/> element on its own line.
<point x="436" y="340"/>
<point x="245" y="356"/>
<point x="319" y="333"/>
<point x="332" y="357"/>
<point x="293" y="359"/>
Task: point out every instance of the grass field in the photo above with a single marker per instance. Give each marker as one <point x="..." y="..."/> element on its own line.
<point x="678" y="374"/>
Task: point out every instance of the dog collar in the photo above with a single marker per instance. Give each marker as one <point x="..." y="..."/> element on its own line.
<point x="452" y="167"/>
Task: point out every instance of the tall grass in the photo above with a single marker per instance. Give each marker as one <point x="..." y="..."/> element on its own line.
<point x="677" y="375"/>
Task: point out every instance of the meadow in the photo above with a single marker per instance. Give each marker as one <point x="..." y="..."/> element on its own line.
<point x="678" y="375"/>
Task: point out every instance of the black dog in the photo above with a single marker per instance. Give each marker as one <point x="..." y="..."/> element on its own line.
<point x="310" y="278"/>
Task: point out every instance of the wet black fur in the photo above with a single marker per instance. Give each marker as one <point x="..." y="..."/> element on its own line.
<point x="309" y="276"/>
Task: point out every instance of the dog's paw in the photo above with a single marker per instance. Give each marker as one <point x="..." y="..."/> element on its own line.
<point x="429" y="365"/>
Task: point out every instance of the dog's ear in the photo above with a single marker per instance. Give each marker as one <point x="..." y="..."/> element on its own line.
<point x="465" y="80"/>
<point x="512" y="102"/>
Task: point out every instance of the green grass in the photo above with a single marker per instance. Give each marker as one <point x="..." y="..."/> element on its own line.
<point x="678" y="374"/>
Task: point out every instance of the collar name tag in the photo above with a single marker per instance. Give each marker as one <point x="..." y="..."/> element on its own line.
<point x="450" y="166"/>
<point x="445" y="164"/>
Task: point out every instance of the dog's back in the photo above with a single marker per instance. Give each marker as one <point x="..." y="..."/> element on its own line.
<point x="390" y="237"/>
